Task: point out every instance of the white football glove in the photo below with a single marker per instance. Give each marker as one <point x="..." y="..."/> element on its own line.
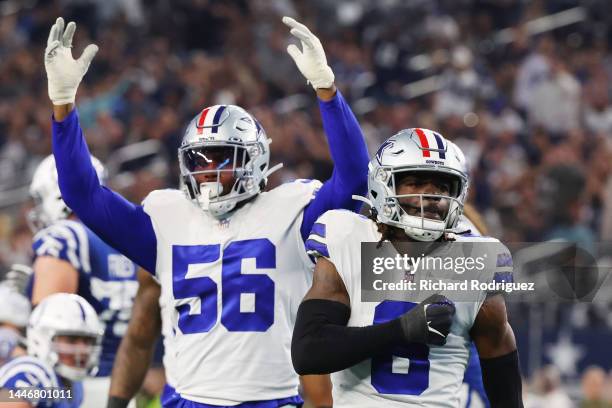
<point x="64" y="73"/>
<point x="311" y="61"/>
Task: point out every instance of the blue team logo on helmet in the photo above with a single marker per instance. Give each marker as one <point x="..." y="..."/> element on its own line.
<point x="386" y="145"/>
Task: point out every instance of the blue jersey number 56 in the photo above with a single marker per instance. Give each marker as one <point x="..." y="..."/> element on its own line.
<point x="257" y="288"/>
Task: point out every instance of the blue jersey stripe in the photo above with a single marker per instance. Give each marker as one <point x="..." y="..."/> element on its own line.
<point x="318" y="229"/>
<point x="315" y="246"/>
<point x="82" y="239"/>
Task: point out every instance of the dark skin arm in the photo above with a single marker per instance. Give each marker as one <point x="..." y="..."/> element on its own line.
<point x="496" y="346"/>
<point x="326" y="94"/>
<point x="317" y="390"/>
<point x="328" y="285"/>
<point x="136" y="349"/>
<point x="61" y="111"/>
<point x="491" y="331"/>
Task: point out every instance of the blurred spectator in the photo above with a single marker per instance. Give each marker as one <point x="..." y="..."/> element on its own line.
<point x="532" y="113"/>
<point x="563" y="187"/>
<point x="547" y="383"/>
<point x="555" y="101"/>
<point x="593" y="383"/>
<point x="532" y="72"/>
<point x="460" y="86"/>
<point x="597" y="110"/>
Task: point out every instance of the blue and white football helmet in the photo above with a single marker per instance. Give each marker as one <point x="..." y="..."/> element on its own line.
<point x="235" y="141"/>
<point x="414" y="151"/>
<point x="44" y="190"/>
<point x="65" y="314"/>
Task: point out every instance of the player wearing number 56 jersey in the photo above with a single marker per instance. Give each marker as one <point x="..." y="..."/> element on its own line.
<point x="417" y="185"/>
<point x="230" y="257"/>
<point x="70" y="258"/>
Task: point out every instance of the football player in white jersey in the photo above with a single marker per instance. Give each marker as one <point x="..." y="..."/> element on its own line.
<point x="63" y="346"/>
<point x="417" y="184"/>
<point x="230" y="258"/>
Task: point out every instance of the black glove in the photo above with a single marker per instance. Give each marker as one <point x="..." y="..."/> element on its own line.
<point x="428" y="322"/>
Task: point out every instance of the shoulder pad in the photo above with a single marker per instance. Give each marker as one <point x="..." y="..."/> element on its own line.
<point x="333" y="228"/>
<point x="67" y="240"/>
<point x="27" y="371"/>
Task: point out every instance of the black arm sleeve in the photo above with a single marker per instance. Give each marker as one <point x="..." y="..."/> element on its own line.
<point x="502" y="381"/>
<point x="322" y="343"/>
<point x="117" y="402"/>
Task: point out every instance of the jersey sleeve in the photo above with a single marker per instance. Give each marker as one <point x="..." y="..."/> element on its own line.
<point x="120" y="223"/>
<point x="318" y="239"/>
<point x="67" y="241"/>
<point x="329" y="238"/>
<point x="503" y="270"/>
<point x="350" y="156"/>
<point x="499" y="268"/>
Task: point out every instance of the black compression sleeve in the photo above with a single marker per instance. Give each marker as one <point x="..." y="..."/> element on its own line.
<point x="117" y="402"/>
<point x="322" y="343"/>
<point x="502" y="380"/>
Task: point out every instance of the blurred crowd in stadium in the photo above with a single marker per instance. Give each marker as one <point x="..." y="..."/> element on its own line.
<point x="528" y="103"/>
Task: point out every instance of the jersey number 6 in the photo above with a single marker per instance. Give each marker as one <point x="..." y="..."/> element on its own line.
<point x="234" y="285"/>
<point x="388" y="377"/>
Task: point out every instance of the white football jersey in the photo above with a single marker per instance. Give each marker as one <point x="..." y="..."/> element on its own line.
<point x="412" y="375"/>
<point x="167" y="331"/>
<point x="231" y="289"/>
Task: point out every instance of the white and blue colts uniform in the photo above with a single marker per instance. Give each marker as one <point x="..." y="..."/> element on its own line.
<point x="107" y="279"/>
<point x="31" y="374"/>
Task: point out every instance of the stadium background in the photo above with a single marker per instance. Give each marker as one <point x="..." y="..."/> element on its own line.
<point x="522" y="86"/>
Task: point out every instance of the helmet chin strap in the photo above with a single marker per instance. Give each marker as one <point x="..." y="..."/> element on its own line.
<point x="71" y="373"/>
<point x="273" y="169"/>
<point x="362" y="199"/>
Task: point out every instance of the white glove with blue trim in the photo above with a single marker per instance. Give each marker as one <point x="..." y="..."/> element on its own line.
<point x="64" y="73"/>
<point x="311" y="60"/>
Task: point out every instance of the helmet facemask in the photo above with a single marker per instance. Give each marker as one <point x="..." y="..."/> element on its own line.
<point x="75" y="360"/>
<point x="218" y="175"/>
<point x="424" y="216"/>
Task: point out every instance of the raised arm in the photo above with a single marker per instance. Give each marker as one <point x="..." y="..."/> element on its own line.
<point x="350" y="156"/>
<point x="496" y="346"/>
<point x="121" y="224"/>
<point x="346" y="142"/>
